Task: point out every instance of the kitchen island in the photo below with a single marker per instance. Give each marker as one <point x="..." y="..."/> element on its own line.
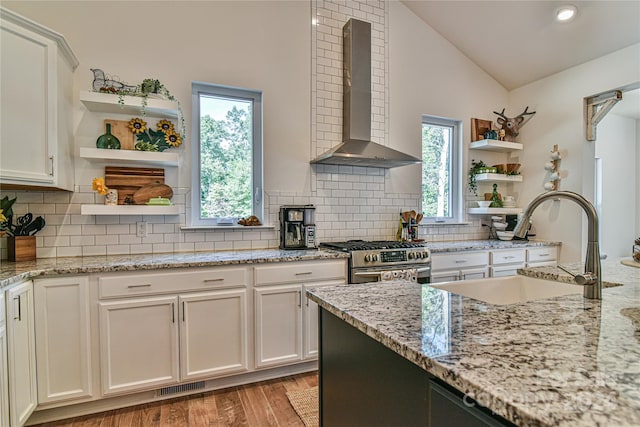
<point x="565" y="361"/>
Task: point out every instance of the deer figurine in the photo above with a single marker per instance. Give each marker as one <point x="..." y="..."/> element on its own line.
<point x="511" y="126"/>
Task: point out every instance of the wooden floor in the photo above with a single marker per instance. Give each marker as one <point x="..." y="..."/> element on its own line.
<point x="260" y="404"/>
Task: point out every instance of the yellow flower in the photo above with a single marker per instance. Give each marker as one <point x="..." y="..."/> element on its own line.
<point x="98" y="185"/>
<point x="173" y="139"/>
<point x="166" y="126"/>
<point x="2" y="217"/>
<point x="137" y="125"/>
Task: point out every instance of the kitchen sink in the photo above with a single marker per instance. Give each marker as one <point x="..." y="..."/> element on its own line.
<point x="509" y="290"/>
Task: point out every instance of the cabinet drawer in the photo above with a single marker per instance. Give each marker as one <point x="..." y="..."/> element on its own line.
<point x="171" y="281"/>
<point x="459" y="260"/>
<point x="542" y="254"/>
<point x="508" y="257"/>
<point x="300" y="272"/>
<point x="506" y="270"/>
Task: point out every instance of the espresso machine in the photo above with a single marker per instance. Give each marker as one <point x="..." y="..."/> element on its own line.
<point x="298" y="227"/>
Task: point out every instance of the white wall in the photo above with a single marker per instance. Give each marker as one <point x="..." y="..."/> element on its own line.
<point x="637" y="233"/>
<point x="558" y="100"/>
<point x="252" y="44"/>
<point x="430" y="76"/>
<point x="616" y="146"/>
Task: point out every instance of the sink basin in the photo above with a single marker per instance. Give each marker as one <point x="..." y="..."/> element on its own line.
<point x="509" y="290"/>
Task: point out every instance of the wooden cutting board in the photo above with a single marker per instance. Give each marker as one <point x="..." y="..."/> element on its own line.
<point x="147" y="192"/>
<point x="120" y="129"/>
<point x="129" y="180"/>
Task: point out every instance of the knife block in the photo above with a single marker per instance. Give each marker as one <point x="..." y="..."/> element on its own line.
<point x="21" y="248"/>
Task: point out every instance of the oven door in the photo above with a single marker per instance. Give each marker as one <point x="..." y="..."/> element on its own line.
<point x="365" y="275"/>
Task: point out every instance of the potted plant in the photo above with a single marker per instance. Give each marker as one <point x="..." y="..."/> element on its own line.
<point x="475" y="169"/>
<point x="21" y="241"/>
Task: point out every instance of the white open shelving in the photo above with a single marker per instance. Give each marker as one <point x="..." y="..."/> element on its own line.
<point x="498" y="177"/>
<point x="495" y="145"/>
<point x="128" y="210"/>
<point x="108" y="103"/>
<point x="164" y="158"/>
<point x="495" y="211"/>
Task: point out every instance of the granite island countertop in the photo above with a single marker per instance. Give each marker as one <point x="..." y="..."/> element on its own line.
<point x="13" y="272"/>
<point x="563" y="361"/>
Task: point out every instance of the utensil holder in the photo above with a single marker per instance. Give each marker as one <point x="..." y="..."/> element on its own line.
<point x="21" y="248"/>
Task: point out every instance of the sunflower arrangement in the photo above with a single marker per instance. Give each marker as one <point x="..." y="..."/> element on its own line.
<point x="154" y="140"/>
<point x="99" y="186"/>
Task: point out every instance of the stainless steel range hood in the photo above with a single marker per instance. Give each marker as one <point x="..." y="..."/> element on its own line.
<point x="357" y="149"/>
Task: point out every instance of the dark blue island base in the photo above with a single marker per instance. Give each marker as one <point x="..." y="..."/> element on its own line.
<point x="363" y="383"/>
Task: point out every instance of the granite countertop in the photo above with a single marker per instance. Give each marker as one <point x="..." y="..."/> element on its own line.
<point x="563" y="361"/>
<point x="477" y="245"/>
<point x="12" y="272"/>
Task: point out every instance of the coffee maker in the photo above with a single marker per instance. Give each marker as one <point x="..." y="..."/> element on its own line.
<point x="298" y="227"/>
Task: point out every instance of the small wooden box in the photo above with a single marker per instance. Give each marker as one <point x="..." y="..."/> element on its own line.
<point x="21" y="248"/>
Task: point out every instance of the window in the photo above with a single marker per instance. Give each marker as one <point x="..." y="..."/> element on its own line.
<point x="441" y="171"/>
<point x="227" y="154"/>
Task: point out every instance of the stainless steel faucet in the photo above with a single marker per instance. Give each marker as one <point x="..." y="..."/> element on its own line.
<point x="592" y="288"/>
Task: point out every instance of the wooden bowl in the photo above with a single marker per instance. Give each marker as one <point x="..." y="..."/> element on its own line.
<point x="513" y="167"/>
<point x="501" y="168"/>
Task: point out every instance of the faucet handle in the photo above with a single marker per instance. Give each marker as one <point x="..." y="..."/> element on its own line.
<point x="583" y="279"/>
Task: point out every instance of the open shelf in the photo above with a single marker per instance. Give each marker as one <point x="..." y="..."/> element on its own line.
<point x="494" y="211"/>
<point x="495" y="145"/>
<point x="498" y="177"/>
<point x="108" y="103"/>
<point x="128" y="210"/>
<point x="158" y="158"/>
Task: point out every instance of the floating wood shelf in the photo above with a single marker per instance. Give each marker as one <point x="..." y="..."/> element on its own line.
<point x="150" y="157"/>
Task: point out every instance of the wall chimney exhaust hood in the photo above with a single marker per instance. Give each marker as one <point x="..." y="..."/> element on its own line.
<point x="357" y="149"/>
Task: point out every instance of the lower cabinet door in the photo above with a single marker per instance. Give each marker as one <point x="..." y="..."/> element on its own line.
<point x="21" y="352"/>
<point x="138" y="344"/>
<point x="213" y="334"/>
<point x="63" y="338"/>
<point x="506" y="270"/>
<point x="445" y="276"/>
<point x="474" y="273"/>
<point x="311" y="320"/>
<point x="278" y="325"/>
<point x="4" y="379"/>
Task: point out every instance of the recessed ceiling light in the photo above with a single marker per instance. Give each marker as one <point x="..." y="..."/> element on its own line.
<point x="566" y="13"/>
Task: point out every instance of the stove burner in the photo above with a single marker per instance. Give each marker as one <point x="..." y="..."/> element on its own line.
<point x="361" y="245"/>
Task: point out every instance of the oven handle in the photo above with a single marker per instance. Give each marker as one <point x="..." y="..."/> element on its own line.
<point x="378" y="273"/>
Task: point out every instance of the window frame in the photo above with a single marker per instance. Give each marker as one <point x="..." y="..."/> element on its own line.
<point x="457" y="215"/>
<point x="255" y="96"/>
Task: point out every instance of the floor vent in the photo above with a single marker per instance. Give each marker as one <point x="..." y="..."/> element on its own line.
<point x="180" y="388"/>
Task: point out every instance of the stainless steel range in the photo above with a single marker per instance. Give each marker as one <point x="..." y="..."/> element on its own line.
<point x="369" y="260"/>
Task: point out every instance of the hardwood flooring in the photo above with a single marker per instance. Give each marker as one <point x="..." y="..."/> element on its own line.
<point x="259" y="404"/>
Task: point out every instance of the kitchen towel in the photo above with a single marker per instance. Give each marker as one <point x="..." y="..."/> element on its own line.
<point x="410" y="274"/>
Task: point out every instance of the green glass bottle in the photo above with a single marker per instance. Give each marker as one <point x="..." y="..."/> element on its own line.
<point x="496" y="201"/>
<point x="108" y="140"/>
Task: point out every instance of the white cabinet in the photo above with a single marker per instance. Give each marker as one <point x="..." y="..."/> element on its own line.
<point x="4" y="379"/>
<point x="159" y="329"/>
<point x="63" y="338"/>
<point x="506" y="262"/>
<point x="138" y="344"/>
<point x="21" y="352"/>
<point x="542" y="257"/>
<point x="213" y="334"/>
<point x="278" y="327"/>
<point x="310" y="315"/>
<point x="36" y="105"/>
<point x="459" y="266"/>
<point x="285" y="327"/>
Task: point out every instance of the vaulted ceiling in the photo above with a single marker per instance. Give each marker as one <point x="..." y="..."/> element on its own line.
<point x="518" y="42"/>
